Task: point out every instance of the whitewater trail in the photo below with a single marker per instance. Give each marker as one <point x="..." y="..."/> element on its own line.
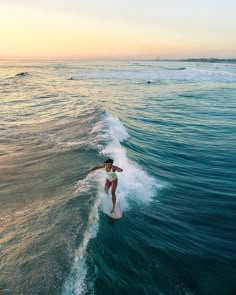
<point x="134" y="184"/>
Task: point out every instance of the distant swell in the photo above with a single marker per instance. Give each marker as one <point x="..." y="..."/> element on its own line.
<point x="174" y="69"/>
<point x="160" y="74"/>
<point x="22" y="74"/>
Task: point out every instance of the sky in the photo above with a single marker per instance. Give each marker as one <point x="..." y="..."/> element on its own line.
<point x="117" y="29"/>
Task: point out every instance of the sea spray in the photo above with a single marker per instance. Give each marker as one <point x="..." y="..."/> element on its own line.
<point x="76" y="281"/>
<point x="134" y="184"/>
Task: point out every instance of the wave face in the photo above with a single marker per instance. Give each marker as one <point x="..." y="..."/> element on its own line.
<point x="175" y="139"/>
<point x="134" y="185"/>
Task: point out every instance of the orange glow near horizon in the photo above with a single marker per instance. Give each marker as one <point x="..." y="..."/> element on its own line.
<point x="37" y="34"/>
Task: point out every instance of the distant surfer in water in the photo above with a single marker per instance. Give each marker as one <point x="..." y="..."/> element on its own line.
<point x="111" y="178"/>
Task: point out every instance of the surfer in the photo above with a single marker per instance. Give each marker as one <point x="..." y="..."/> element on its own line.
<point x="111" y="178"/>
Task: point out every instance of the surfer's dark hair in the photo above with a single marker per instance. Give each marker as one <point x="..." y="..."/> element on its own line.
<point x="108" y="161"/>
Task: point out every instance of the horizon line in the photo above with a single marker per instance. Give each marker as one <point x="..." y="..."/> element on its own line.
<point x="120" y="59"/>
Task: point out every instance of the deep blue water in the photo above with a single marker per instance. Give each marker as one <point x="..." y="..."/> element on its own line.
<point x="175" y="138"/>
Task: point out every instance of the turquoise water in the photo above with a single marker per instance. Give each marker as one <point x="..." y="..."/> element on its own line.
<point x="175" y="138"/>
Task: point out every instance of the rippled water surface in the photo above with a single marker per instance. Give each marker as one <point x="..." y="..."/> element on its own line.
<point x="170" y="126"/>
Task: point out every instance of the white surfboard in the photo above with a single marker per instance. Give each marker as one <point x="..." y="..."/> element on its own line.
<point x="117" y="214"/>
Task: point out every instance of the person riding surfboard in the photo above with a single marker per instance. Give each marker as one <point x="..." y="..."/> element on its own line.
<point x="111" y="178"/>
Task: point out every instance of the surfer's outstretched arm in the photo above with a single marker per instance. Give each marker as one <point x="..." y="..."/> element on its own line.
<point x="118" y="169"/>
<point x="96" y="167"/>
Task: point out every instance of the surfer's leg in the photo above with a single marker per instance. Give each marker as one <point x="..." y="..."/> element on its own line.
<point x="113" y="193"/>
<point x="107" y="186"/>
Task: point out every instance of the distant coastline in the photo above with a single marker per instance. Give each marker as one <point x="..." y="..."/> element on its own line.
<point x="209" y="60"/>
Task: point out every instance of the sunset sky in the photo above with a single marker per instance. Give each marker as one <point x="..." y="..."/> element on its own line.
<point x="117" y="29"/>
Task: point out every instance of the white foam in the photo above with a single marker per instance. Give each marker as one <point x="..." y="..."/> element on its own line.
<point x="117" y="131"/>
<point x="71" y="143"/>
<point x="76" y="282"/>
<point x="134" y="184"/>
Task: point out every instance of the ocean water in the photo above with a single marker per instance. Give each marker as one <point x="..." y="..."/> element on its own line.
<point x="175" y="138"/>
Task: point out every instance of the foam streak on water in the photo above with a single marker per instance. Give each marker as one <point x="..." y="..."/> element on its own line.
<point x="134" y="184"/>
<point x="76" y="282"/>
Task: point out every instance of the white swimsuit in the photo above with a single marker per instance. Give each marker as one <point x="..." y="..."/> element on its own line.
<point x="111" y="175"/>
